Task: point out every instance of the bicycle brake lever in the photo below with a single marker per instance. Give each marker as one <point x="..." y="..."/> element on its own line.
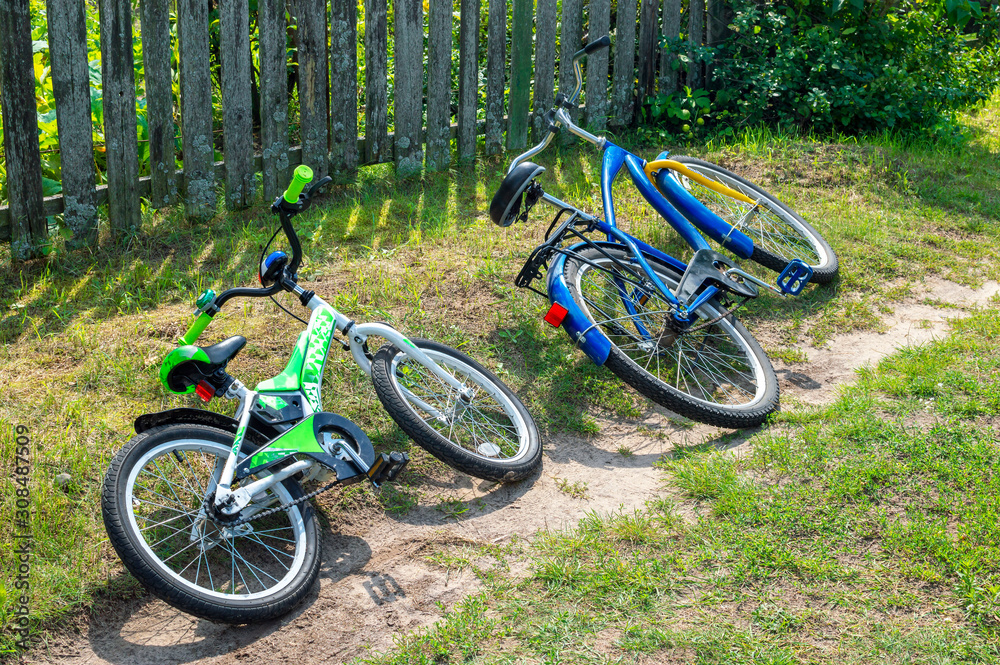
<point x="322" y="182"/>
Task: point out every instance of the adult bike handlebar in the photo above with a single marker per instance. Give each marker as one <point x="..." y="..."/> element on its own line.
<point x="593" y="46"/>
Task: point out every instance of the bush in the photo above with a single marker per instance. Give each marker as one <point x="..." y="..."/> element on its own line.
<point x="852" y="68"/>
<point x="794" y="64"/>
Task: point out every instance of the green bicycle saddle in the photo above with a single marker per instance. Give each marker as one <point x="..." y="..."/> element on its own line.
<point x="187" y="365"/>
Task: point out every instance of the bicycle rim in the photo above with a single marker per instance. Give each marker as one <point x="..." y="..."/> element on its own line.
<point x="484" y="421"/>
<point x="164" y="494"/>
<point x="774" y="231"/>
<point x="713" y="365"/>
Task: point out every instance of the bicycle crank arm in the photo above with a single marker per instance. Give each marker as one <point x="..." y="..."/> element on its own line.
<point x="750" y="278"/>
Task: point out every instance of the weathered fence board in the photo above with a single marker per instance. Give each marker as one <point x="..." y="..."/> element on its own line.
<point x="622" y="106"/>
<point x="322" y="34"/>
<point x="696" y="37"/>
<point x="520" y="75"/>
<point x="496" y="68"/>
<point x="71" y="89"/>
<point x="545" y="65"/>
<point x="468" y="78"/>
<point x="196" y="109"/>
<point x="671" y="30"/>
<point x="120" y="130"/>
<point x="409" y="84"/>
<point x="647" y="50"/>
<point x="313" y="119"/>
<point x="237" y="119"/>
<point x="20" y="135"/>
<point x="344" y="86"/>
<point x="569" y="43"/>
<point x="597" y="67"/>
<point x="377" y="147"/>
<point x="271" y="30"/>
<point x="156" y="55"/>
<point x="716" y="30"/>
<point x="439" y="43"/>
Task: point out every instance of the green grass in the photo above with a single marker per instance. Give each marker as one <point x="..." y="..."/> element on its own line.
<point x="83" y="334"/>
<point x="860" y="532"/>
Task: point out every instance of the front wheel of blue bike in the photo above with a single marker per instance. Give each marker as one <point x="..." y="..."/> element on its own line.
<point x="779" y="234"/>
<point x="714" y="371"/>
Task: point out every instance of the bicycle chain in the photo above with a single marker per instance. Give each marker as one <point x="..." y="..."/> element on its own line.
<point x="270" y="511"/>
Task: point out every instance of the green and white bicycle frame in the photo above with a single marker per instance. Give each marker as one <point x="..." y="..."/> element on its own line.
<point x="299" y="385"/>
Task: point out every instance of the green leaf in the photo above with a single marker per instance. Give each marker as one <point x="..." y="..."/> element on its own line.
<point x="50" y="187"/>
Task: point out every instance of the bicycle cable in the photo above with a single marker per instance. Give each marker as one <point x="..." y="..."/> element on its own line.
<point x="260" y="276"/>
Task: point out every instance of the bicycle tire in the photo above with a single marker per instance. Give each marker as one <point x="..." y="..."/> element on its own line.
<point x="505" y="415"/>
<point x="123" y="495"/>
<point x="718" y="341"/>
<point x="771" y="248"/>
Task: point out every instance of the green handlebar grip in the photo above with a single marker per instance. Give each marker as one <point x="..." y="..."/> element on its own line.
<point x="303" y="176"/>
<point x="199" y="325"/>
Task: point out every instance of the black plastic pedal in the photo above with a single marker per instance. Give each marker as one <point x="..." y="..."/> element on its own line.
<point x="399" y="462"/>
<point x="387" y="467"/>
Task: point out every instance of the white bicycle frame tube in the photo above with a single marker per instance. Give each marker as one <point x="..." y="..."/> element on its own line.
<point x="358" y="335"/>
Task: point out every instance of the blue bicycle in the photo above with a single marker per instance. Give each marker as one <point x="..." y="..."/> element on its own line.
<point x="665" y="327"/>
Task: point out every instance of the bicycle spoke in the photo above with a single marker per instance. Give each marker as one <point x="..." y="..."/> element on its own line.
<point x="218" y="559"/>
<point x="476" y="422"/>
<point x="768" y="229"/>
<point x="707" y="364"/>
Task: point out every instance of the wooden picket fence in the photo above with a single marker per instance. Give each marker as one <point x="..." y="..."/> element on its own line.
<point x="327" y="94"/>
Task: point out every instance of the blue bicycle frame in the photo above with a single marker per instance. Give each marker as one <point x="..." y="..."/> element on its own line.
<point x="682" y="211"/>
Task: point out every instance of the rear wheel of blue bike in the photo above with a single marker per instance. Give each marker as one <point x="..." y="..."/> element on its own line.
<point x="714" y="371"/>
<point x="779" y="234"/>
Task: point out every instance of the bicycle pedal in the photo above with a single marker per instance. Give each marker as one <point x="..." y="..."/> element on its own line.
<point x="794" y="278"/>
<point x="387" y="467"/>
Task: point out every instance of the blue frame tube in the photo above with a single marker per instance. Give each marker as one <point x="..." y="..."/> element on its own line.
<point x="697" y="214"/>
<point x="594" y="343"/>
<point x="622" y="238"/>
<point x="611" y="165"/>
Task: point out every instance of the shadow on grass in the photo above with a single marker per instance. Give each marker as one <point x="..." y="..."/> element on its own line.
<point x="721" y="443"/>
<point x="170" y="258"/>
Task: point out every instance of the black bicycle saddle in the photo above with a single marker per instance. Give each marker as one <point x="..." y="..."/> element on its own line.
<point x="506" y="204"/>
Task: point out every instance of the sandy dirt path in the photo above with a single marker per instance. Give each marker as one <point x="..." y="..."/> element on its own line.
<point x="375" y="581"/>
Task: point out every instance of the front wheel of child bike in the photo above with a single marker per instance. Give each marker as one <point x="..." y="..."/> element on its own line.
<point x="714" y="371"/>
<point x="779" y="234"/>
<point x="483" y="429"/>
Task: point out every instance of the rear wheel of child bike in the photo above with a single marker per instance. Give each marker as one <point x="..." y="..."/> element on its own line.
<point x="154" y="501"/>
<point x="715" y="372"/>
<point x="779" y="234"/>
<point x="483" y="430"/>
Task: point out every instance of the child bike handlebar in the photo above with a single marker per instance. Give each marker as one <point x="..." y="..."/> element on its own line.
<point x="293" y="201"/>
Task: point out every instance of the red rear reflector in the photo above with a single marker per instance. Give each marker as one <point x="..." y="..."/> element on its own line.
<point x="555" y="315"/>
<point x="205" y="391"/>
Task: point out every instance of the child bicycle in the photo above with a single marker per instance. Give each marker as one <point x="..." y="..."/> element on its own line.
<point x="665" y="327"/>
<point x="208" y="511"/>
